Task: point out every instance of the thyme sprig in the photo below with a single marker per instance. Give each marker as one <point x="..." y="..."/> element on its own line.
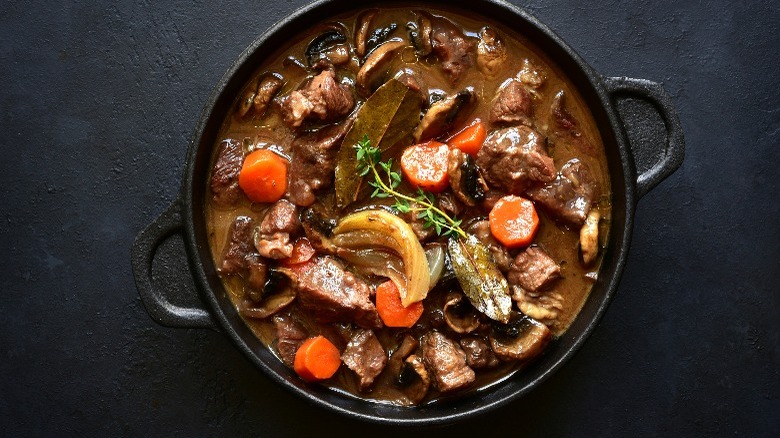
<point x="385" y="181"/>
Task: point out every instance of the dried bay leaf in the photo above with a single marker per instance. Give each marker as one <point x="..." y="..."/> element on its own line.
<point x="480" y="279"/>
<point x="388" y="118"/>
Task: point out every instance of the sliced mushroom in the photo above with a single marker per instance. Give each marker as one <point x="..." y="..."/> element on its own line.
<point x="562" y="116"/>
<point x="523" y="338"/>
<point x="465" y="180"/>
<point x="589" y="237"/>
<point x="491" y="52"/>
<point x="541" y="306"/>
<point x="442" y="113"/>
<point x="414" y="379"/>
<point x="245" y="104"/>
<point x="376" y="61"/>
<point x="270" y="304"/>
<point x="330" y="46"/>
<point x="361" y="35"/>
<point x="478" y="353"/>
<point x="269" y="85"/>
<point x="420" y="33"/>
<point x="459" y="314"/>
<point x="397" y="358"/>
<point x="379" y="36"/>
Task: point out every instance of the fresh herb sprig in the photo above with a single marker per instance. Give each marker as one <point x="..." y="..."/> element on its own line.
<point x="369" y="163"/>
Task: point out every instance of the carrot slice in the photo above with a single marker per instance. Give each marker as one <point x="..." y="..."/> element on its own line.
<point x="392" y="312"/>
<point x="425" y="166"/>
<point x="302" y="252"/>
<point x="317" y="359"/>
<point x="470" y="139"/>
<point x="513" y="221"/>
<point x="263" y="176"/>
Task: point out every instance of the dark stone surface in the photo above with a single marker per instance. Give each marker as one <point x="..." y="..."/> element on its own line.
<point x="97" y="105"/>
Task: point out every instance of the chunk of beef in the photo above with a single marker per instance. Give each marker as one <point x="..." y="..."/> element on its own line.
<point x="446" y="361"/>
<point x="533" y="269"/>
<point x="543" y="306"/>
<point x="465" y="179"/>
<point x="531" y="76"/>
<point x="239" y="246"/>
<point x="514" y="158"/>
<point x="313" y="162"/>
<point x="256" y="276"/>
<point x="365" y="356"/>
<point x="478" y="353"/>
<point x="322" y="98"/>
<point x="568" y="198"/>
<point x="224" y="177"/>
<point x="290" y="334"/>
<point x="512" y="105"/>
<point x="452" y="47"/>
<point x="492" y="53"/>
<point x="333" y="294"/>
<point x="481" y="229"/>
<point x="566" y="127"/>
<point x="272" y="238"/>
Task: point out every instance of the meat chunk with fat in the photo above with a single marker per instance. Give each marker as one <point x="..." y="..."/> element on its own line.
<point x="512" y="105"/>
<point x="452" y="47"/>
<point x="313" y="163"/>
<point x="224" y="176"/>
<point x="290" y="334"/>
<point x="533" y="269"/>
<point x="365" y="356"/>
<point x="239" y="246"/>
<point x="446" y="361"/>
<point x="569" y="196"/>
<point x="273" y="236"/>
<point x="514" y="158"/>
<point x="333" y="294"/>
<point x="322" y="98"/>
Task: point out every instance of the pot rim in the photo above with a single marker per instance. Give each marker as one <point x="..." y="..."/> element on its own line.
<point x="493" y="397"/>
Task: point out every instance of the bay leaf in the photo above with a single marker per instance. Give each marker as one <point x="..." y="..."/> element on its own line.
<point x="388" y="117"/>
<point x="481" y="281"/>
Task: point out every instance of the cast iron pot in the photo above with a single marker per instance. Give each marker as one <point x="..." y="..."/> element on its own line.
<point x="619" y="105"/>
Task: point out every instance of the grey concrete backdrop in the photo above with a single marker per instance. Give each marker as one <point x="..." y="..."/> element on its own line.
<point x="98" y="101"/>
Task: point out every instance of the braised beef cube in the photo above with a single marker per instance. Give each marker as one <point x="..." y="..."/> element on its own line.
<point x="512" y="105"/>
<point x="273" y="236"/>
<point x="365" y="356"/>
<point x="446" y="361"/>
<point x="333" y="294"/>
<point x="313" y="163"/>
<point x="568" y="198"/>
<point x="452" y="47"/>
<point x="514" y="158"/>
<point x="239" y="246"/>
<point x="533" y="269"/>
<point x="224" y="176"/>
<point x="290" y="334"/>
<point x="321" y="98"/>
<point x="478" y="353"/>
<point x="481" y="229"/>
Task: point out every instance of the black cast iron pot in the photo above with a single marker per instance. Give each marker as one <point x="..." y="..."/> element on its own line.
<point x="619" y="105"/>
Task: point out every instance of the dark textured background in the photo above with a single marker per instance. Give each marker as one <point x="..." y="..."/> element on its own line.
<point x="97" y="104"/>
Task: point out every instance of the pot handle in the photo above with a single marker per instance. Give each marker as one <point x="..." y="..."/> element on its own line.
<point x="657" y="158"/>
<point x="158" y="302"/>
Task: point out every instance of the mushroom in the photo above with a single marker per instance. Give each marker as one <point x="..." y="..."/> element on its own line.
<point x="414" y="379"/>
<point x="442" y="113"/>
<point x="523" y="338"/>
<point x="330" y="46"/>
<point x="374" y="63"/>
<point x="465" y="180"/>
<point x="420" y="33"/>
<point x="269" y="305"/>
<point x="589" y="237"/>
<point x="269" y="85"/>
<point x="491" y="52"/>
<point x="459" y="314"/>
<point x="361" y="35"/>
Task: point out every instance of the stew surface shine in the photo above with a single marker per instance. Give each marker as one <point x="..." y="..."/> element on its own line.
<point x="407" y="205"/>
